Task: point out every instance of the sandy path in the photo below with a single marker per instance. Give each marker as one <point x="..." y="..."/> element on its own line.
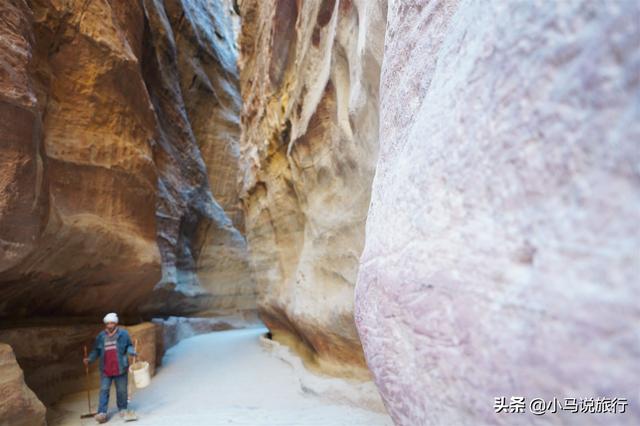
<point x="225" y="378"/>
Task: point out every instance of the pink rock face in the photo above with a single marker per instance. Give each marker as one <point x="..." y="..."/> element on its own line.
<point x="501" y="254"/>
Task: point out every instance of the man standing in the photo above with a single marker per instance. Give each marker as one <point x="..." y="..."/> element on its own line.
<point x="112" y="347"/>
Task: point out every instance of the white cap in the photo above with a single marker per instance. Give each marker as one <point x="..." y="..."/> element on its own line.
<point x="111" y="317"/>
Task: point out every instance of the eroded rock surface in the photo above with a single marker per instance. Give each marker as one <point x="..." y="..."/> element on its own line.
<point x="85" y="176"/>
<point x="309" y="81"/>
<point x="192" y="75"/>
<point x="501" y="255"/>
<point x="51" y="355"/>
<point x="111" y="113"/>
<point x="18" y="404"/>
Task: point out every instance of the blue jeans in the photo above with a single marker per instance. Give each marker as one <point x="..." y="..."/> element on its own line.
<point x="121" y="392"/>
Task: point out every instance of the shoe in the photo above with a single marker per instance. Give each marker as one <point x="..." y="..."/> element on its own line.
<point x="123" y="413"/>
<point x="130" y="416"/>
<point x="101" y="418"/>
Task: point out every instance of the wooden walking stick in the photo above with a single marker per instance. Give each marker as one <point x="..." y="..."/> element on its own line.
<point x="86" y="372"/>
<point x="135" y="359"/>
<point x="130" y="415"/>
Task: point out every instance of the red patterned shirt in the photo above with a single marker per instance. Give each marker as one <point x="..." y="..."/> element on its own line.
<point x="111" y="365"/>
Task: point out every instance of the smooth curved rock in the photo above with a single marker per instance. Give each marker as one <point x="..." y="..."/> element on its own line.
<point x="79" y="198"/>
<point x="501" y="254"/>
<point x="309" y="81"/>
<point x="18" y="404"/>
<point x="104" y="189"/>
<point x="191" y="73"/>
<point x="51" y="355"/>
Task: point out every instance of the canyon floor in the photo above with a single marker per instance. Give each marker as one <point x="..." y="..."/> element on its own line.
<point x="224" y="378"/>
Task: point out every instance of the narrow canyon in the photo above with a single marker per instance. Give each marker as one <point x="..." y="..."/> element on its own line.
<point x="433" y="201"/>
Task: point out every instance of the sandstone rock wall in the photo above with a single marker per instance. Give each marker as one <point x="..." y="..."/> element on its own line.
<point x="51" y="355"/>
<point x="75" y="107"/>
<point x="144" y="336"/>
<point x="18" y="404"/>
<point x="501" y="254"/>
<point x="309" y="81"/>
<point x="191" y="72"/>
<point x="118" y="120"/>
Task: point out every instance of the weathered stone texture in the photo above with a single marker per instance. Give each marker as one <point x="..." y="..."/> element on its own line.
<point x="309" y="81"/>
<point x="18" y="404"/>
<point x="144" y="337"/>
<point x="106" y="110"/>
<point x="191" y="73"/>
<point x="501" y="254"/>
<point x="51" y="355"/>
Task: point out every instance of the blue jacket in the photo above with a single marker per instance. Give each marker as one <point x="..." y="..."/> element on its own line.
<point x="124" y="345"/>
